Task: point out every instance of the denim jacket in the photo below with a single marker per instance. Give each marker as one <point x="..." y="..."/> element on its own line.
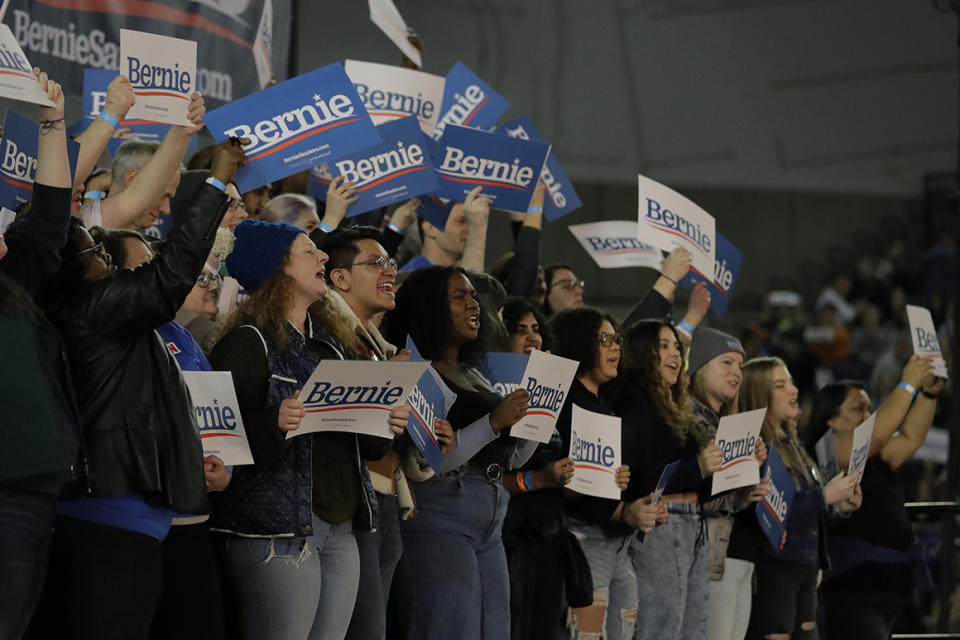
<point x="277" y="500"/>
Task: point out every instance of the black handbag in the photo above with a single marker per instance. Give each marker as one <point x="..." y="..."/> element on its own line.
<point x="578" y="579"/>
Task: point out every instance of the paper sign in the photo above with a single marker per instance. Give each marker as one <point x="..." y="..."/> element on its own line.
<point x="218" y="416"/>
<point x="263" y="45"/>
<point x="613" y="245"/>
<point x="668" y="220"/>
<point x="504" y="371"/>
<point x="773" y="508"/>
<point x="356" y="396"/>
<point x="414" y="352"/>
<point x="6" y="219"/>
<point x="547" y="379"/>
<point x="396" y="170"/>
<point x="390" y="92"/>
<point x="385" y="15"/>
<point x="431" y="398"/>
<point x="595" y="451"/>
<point x="435" y="210"/>
<point x="17" y="81"/>
<point x="665" y="477"/>
<point x="468" y="101"/>
<point x="924" y="336"/>
<point x="826" y="450"/>
<point x="506" y="168"/>
<point x="726" y="268"/>
<point x="18" y="166"/>
<point x="560" y="198"/>
<point x="163" y="72"/>
<point x="295" y="125"/>
<point x="737" y="438"/>
<point x="860" y="449"/>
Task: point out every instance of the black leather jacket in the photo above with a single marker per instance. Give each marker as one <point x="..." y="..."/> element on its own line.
<point x="135" y="412"/>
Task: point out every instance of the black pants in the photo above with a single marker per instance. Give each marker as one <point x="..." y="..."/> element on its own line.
<point x="191" y="605"/>
<point x="103" y="583"/>
<point x="863" y="615"/>
<point x="785" y="598"/>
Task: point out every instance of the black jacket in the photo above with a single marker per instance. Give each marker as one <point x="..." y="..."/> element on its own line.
<point x="135" y="411"/>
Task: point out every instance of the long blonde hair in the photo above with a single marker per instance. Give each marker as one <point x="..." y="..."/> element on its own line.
<point x="266" y="307"/>
<point x="698" y="389"/>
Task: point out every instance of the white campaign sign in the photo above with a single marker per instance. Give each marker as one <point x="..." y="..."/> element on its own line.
<point x="924" y="336"/>
<point x="547" y="378"/>
<point x="356" y="396"/>
<point x="263" y="45"/>
<point x="669" y="220"/>
<point x="595" y="450"/>
<point x="613" y="245"/>
<point x="860" y="450"/>
<point x="385" y="15"/>
<point x="6" y="219"/>
<point x="826" y="450"/>
<point x="737" y="438"/>
<point x="218" y="416"/>
<point x="17" y="81"/>
<point x="390" y="92"/>
<point x="163" y="72"/>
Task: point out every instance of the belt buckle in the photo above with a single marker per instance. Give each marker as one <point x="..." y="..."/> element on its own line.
<point x="494" y="471"/>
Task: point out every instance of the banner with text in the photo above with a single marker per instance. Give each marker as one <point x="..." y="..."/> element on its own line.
<point x="924" y="336"/>
<point x="826" y="450"/>
<point x="18" y="167"/>
<point x="17" y="81"/>
<point x="435" y="210"/>
<point x="431" y="398"/>
<point x="669" y="220"/>
<point x="772" y="509"/>
<point x="613" y="245"/>
<point x="468" y="101"/>
<point x="726" y="268"/>
<point x="737" y="438"/>
<point x="506" y="168"/>
<point x="504" y="371"/>
<point x="390" y="92"/>
<point x="860" y="449"/>
<point x="217" y="411"/>
<point x="295" y="125"/>
<point x="162" y="71"/>
<point x="547" y="379"/>
<point x="595" y="450"/>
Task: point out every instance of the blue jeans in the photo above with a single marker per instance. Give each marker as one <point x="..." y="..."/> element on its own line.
<point x="673" y="577"/>
<point x="614" y="582"/>
<point x="291" y="588"/>
<point x="456" y="578"/>
<point x="25" y="520"/>
<point x="380" y="552"/>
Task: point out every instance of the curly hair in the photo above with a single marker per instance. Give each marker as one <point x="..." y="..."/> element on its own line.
<point x="515" y="308"/>
<point x="640" y="371"/>
<point x="576" y="335"/>
<point x="329" y="313"/>
<point x="266" y="308"/>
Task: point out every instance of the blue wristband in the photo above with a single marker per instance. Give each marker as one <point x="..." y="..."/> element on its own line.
<point x="217" y="183"/>
<point x="686" y="326"/>
<point x="912" y="390"/>
<point x="534" y="209"/>
<point x="325" y="227"/>
<point x="109" y="119"/>
<point x="528" y="480"/>
<point x="93" y="195"/>
<point x="394" y="228"/>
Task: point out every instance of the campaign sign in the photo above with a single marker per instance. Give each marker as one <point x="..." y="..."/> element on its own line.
<point x="860" y="449"/>
<point x="665" y="477"/>
<point x="217" y="411"/>
<point x="506" y="168"/>
<point x="924" y="336"/>
<point x="595" y="451"/>
<point x="17" y="81"/>
<point x="431" y="398"/>
<point x="726" y="268"/>
<point x="435" y="210"/>
<point x="668" y="220"/>
<point x="18" y="162"/>
<point x="561" y="198"/>
<point x="356" y="396"/>
<point x="504" y="371"/>
<point x="468" y="101"/>
<point x="613" y="244"/>
<point x="390" y="92"/>
<point x="397" y="169"/>
<point x="263" y="45"/>
<point x="386" y="16"/>
<point x="295" y="125"/>
<point x="6" y="219"/>
<point x="826" y="450"/>
<point x="772" y="509"/>
<point x="163" y="73"/>
<point x="737" y="438"/>
<point x="547" y="379"/>
<point x="95" y="83"/>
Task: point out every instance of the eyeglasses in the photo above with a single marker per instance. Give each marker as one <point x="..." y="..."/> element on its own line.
<point x="236" y="203"/>
<point x="569" y="284"/>
<point x="206" y="278"/>
<point x="96" y="249"/>
<point x="381" y="263"/>
<point x="608" y="339"/>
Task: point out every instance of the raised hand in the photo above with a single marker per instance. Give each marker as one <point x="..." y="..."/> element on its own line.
<point x="227" y="159"/>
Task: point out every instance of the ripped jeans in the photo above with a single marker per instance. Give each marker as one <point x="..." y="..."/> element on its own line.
<point x="290" y="588"/>
<point x="614" y="582"/>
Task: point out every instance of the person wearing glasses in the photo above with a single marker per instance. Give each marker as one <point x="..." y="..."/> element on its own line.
<point x="564" y="289"/>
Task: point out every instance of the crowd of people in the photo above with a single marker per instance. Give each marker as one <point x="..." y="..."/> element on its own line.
<point x="116" y="525"/>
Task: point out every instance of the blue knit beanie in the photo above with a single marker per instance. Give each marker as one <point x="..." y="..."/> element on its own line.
<point x="258" y="251"/>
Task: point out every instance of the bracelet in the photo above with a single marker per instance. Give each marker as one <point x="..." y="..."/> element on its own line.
<point x="534" y="209"/>
<point x="669" y="278"/>
<point x="394" y="228"/>
<point x="93" y="195"/>
<point x="325" y="227"/>
<point x="927" y="394"/>
<point x="520" y="483"/>
<point x="217" y="183"/>
<point x="528" y="480"/>
<point x="686" y="326"/>
<point x="909" y="387"/>
<point x="109" y="119"/>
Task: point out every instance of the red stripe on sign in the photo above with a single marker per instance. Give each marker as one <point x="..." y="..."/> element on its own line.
<point x="424" y="424"/>
<point x="541" y="413"/>
<point x="590" y="466"/>
<point x="161" y="93"/>
<point x="22" y="74"/>
<point x="302" y="136"/>
<point x="772" y="513"/>
<point x="476" y="111"/>
<point x="218" y="435"/>
<point x="348" y="407"/>
<point x="489" y="183"/>
<point x="130" y="123"/>
<point x="390" y="177"/>
<point x="735" y="462"/>
<point x="679" y="235"/>
<point x="22" y="185"/>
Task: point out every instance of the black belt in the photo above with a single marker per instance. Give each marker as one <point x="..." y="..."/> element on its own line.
<point x="492" y="471"/>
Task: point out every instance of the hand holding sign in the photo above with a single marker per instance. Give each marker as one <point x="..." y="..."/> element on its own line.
<point x="622" y="477"/>
<point x="195" y="110"/>
<point x="228" y="158"/>
<point x="710" y="459"/>
<point x="54" y="94"/>
<point x="642" y="514"/>
<point x="556" y="474"/>
<point x="215" y="474"/>
<point x="677" y="264"/>
<point x="698" y="305"/>
<point x="917" y="370"/>
<point x="476" y="206"/>
<point x="841" y="488"/>
<point x="924" y="336"/>
<point x="510" y="410"/>
<point x="444" y="432"/>
<point x="398" y="418"/>
<point x="340" y="195"/>
<point x="291" y="413"/>
<point x="120" y="98"/>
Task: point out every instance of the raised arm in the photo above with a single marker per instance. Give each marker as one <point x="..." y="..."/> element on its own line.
<point x="526" y="251"/>
<point x="892" y="412"/>
<point x="905" y="442"/>
<point x="659" y="300"/>
<point x="94" y="139"/>
<point x="476" y="210"/>
<point x="53" y="167"/>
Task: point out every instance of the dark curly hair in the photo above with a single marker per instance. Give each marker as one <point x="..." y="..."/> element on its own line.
<point x="113" y="242"/>
<point x="576" y="335"/>
<point x="515" y="308"/>
<point x="341" y="246"/>
<point x="422" y="312"/>
<point x="826" y="406"/>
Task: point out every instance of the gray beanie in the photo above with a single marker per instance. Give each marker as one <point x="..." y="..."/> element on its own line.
<point x="707" y="344"/>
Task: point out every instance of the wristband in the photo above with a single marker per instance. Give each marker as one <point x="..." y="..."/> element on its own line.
<point x="686" y="326"/>
<point x="666" y="277"/>
<point x="927" y="394"/>
<point x="93" y="195"/>
<point x="528" y="480"/>
<point x="394" y="228"/>
<point x="534" y="209"/>
<point x="909" y="387"/>
<point x="109" y="119"/>
<point x="325" y="227"/>
<point x="217" y="183"/>
<point x="520" y="483"/>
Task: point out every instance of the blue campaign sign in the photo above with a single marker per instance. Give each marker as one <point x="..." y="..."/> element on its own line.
<point x="561" y="198"/>
<point x="726" y="268"/>
<point x="295" y="125"/>
<point x="772" y="510"/>
<point x="18" y="166"/>
<point x="435" y="210"/>
<point x="504" y="371"/>
<point x="397" y="169"/>
<point x="507" y="168"/>
<point x="468" y="101"/>
<point x="430" y="399"/>
<point x="414" y="352"/>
